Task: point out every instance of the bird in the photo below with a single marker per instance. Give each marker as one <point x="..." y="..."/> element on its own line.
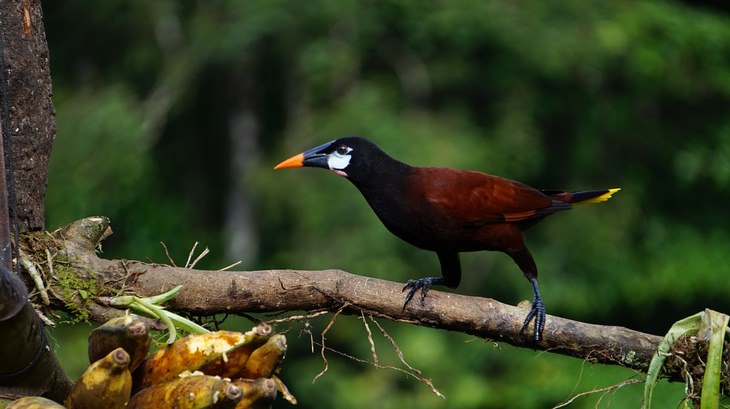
<point x="447" y="211"/>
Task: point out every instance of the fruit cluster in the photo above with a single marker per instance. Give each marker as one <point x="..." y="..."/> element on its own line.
<point x="222" y="369"/>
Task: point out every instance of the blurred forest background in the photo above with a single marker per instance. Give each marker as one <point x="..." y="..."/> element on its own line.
<point x="171" y="115"/>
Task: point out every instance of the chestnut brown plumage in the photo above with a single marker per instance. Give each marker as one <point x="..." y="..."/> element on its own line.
<point x="447" y="211"/>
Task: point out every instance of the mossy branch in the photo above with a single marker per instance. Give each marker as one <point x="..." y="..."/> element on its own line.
<point x="205" y="293"/>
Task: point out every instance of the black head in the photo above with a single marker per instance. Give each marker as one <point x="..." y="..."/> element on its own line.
<point x="353" y="157"/>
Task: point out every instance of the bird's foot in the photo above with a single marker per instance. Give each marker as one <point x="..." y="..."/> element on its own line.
<point x="538" y="312"/>
<point x="423" y="283"/>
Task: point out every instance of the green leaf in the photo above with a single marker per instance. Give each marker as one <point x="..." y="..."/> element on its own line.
<point x="150" y="306"/>
<point x="685" y="326"/>
<point x="716" y="323"/>
<point x="164" y="297"/>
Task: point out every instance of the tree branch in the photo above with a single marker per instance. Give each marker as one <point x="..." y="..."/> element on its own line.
<point x="237" y="292"/>
<point x="240" y="292"/>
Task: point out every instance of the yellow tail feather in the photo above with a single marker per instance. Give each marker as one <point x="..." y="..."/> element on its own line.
<point x="601" y="198"/>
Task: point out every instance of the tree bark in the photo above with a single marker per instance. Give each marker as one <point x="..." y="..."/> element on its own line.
<point x="206" y="293"/>
<point x="27" y="126"/>
<point x="238" y="292"/>
<point x="31" y="125"/>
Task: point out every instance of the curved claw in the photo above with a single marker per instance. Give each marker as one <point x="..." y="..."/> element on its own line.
<point x="538" y="312"/>
<point x="423" y="283"/>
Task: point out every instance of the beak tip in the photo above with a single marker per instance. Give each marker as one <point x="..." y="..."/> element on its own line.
<point x="295" y="161"/>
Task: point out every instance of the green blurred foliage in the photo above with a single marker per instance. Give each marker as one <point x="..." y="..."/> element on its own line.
<point x="568" y="95"/>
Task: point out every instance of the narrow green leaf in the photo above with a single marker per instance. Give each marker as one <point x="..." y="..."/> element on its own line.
<point x="162" y="315"/>
<point x="685" y="326"/>
<point x="186" y="325"/>
<point x="149" y="306"/>
<point x="164" y="297"/>
<point x="717" y="324"/>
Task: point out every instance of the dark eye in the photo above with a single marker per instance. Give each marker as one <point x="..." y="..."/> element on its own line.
<point x="343" y="150"/>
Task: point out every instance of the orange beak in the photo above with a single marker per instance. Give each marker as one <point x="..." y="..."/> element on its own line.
<point x="296" y="161"/>
<point x="314" y="158"/>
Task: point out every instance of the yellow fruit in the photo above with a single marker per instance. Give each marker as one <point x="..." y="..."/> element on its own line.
<point x="215" y="353"/>
<point x="257" y="393"/>
<point x="265" y="360"/>
<point x="33" y="402"/>
<point x="105" y="384"/>
<point x="189" y="392"/>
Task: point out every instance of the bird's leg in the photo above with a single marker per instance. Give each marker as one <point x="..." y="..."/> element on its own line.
<point x="524" y="260"/>
<point x="537" y="311"/>
<point x="450" y="269"/>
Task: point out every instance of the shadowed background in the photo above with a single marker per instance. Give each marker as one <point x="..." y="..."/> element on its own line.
<point x="172" y="114"/>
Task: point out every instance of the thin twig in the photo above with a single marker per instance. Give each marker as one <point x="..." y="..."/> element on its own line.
<point x="190" y="255"/>
<point x="298" y="317"/>
<point x="167" y="253"/>
<point x="688" y="381"/>
<point x="416" y="372"/>
<point x="413" y="372"/>
<point x="580" y="377"/>
<point x="230" y="266"/>
<point x="308" y="330"/>
<point x="45" y="319"/>
<point x="200" y="257"/>
<point x="37" y="277"/>
<point x="49" y="259"/>
<point x="370" y="337"/>
<point x="630" y="381"/>
<point x="379" y="366"/>
<point x="327" y="328"/>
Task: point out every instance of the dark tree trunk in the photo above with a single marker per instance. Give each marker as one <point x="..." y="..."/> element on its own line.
<point x="28" y="365"/>
<point x="31" y="124"/>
